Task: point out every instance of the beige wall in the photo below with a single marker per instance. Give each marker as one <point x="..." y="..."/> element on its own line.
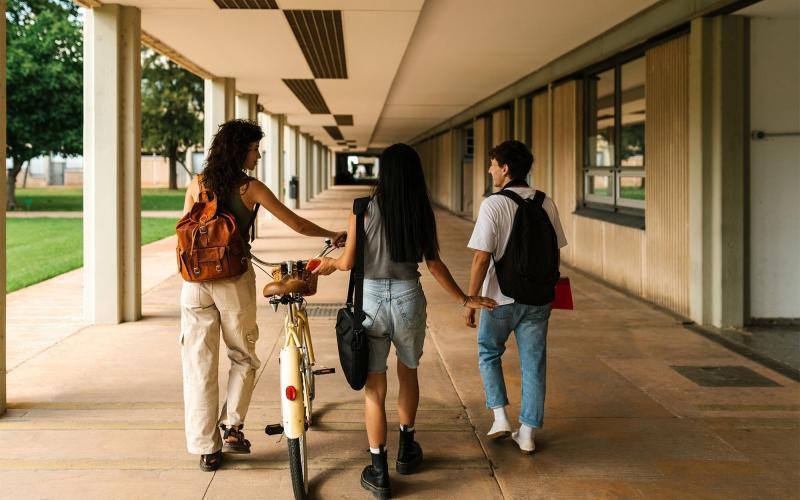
<point x="541" y="142"/>
<point x="437" y="155"/>
<point x="480" y="152"/>
<point x="565" y="167"/>
<point x="666" y="280"/>
<point x="652" y="263"/>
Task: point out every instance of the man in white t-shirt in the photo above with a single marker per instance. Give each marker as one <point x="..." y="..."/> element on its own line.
<point x="510" y="163"/>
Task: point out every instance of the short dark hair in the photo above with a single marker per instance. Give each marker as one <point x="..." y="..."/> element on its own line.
<point x="514" y="154"/>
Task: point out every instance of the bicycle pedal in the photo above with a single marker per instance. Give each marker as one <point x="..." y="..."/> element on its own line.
<point x="324" y="371"/>
<point x="274" y="429"/>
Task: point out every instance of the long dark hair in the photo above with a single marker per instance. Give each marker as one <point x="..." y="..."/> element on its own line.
<point x="406" y="211"/>
<point x="226" y="156"/>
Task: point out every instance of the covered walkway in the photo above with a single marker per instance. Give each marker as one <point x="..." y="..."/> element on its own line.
<point x="638" y="406"/>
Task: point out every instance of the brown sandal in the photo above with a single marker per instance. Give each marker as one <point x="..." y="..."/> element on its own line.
<point x="238" y="445"/>
<point x="211" y="461"/>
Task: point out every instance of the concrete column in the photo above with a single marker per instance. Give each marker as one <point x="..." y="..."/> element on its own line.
<point x="301" y="169"/>
<point x="220" y="103"/>
<point x="320" y="167"/>
<point x="520" y="131"/>
<point x="3" y="208"/>
<point x="326" y="168"/>
<point x="112" y="164"/>
<point x="315" y="166"/>
<point x="289" y="164"/>
<point x="247" y="107"/>
<point x="272" y="154"/>
<point x="717" y="141"/>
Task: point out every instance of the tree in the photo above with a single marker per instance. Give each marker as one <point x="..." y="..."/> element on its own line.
<point x="44" y="51"/>
<point x="172" y="107"/>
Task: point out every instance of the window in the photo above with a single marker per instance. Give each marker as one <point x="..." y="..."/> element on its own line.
<point x="614" y="159"/>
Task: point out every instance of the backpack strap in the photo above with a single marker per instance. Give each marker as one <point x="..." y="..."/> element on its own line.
<point x="355" y="290"/>
<point x="510" y="194"/>
<point x="538" y="198"/>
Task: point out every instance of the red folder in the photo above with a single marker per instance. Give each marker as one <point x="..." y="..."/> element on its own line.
<point x="563" y="298"/>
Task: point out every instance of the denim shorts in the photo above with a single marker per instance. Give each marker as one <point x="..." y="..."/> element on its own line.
<point x="394" y="313"/>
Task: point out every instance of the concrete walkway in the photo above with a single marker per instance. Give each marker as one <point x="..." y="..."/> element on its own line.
<point x="96" y="411"/>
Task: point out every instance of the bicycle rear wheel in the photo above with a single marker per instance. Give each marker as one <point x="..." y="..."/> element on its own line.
<point x="298" y="466"/>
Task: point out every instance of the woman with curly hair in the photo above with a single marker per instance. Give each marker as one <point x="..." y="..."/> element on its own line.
<point x="227" y="305"/>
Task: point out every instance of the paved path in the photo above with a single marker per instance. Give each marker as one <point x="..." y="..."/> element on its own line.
<point x="96" y="411"/>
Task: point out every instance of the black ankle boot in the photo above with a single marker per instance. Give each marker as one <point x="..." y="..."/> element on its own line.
<point x="375" y="477"/>
<point x="409" y="453"/>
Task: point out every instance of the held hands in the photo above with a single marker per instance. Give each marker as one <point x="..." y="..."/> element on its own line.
<point x="476" y="302"/>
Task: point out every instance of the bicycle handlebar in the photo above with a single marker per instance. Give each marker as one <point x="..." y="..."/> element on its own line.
<point x="328" y="248"/>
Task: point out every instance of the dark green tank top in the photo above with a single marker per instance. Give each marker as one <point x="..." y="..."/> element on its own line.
<point x="235" y="205"/>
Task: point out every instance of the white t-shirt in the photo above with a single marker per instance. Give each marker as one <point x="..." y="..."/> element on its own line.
<point x="493" y="229"/>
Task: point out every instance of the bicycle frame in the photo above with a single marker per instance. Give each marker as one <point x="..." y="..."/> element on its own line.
<point x="296" y="410"/>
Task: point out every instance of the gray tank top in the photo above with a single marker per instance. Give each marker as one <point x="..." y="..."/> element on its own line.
<point x="378" y="263"/>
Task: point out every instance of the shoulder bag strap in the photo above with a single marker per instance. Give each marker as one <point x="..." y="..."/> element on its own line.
<point x="355" y="292"/>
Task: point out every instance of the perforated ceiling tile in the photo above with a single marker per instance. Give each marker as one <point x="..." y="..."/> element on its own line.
<point x="321" y="38"/>
<point x="334" y="132"/>
<point x="246" y="4"/>
<point x="308" y="93"/>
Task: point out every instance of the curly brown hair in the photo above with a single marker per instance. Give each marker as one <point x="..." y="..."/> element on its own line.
<point x="225" y="161"/>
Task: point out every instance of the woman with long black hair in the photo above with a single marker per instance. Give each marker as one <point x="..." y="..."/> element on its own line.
<point x="227" y="305"/>
<point x="400" y="232"/>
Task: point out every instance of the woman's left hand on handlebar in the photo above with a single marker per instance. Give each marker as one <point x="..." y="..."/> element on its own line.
<point x="325" y="267"/>
<point x="339" y="239"/>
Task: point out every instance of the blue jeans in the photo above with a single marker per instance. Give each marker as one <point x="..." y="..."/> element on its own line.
<point x="394" y="313"/>
<point x="529" y="324"/>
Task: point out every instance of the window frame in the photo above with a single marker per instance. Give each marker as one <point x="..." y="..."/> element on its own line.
<point x="613" y="204"/>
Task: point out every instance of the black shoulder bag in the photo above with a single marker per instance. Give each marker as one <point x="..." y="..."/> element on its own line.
<point x="350" y="334"/>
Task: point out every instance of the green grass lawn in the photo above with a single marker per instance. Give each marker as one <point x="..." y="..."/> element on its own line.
<point x="71" y="199"/>
<point x="40" y="248"/>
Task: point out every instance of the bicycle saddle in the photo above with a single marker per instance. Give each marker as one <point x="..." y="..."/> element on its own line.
<point x="285" y="287"/>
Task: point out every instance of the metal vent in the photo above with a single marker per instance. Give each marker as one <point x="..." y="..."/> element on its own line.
<point x="334" y="132"/>
<point x="343" y="120"/>
<point x="247" y="4"/>
<point x="323" y="310"/>
<point x="321" y="38"/>
<point x="308" y="93"/>
<point x="724" y="376"/>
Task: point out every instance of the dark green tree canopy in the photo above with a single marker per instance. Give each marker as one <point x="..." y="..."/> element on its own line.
<point x="172" y="107"/>
<point x="44" y="53"/>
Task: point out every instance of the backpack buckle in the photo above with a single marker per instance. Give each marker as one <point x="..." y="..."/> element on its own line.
<point x="219" y="268"/>
<point x="203" y="229"/>
<point x="197" y="270"/>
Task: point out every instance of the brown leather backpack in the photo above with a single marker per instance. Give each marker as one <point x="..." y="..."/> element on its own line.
<point x="211" y="246"/>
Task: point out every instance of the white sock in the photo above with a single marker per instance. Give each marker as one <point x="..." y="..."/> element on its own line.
<point x="525" y="431"/>
<point x="500" y="414"/>
<point x="407" y="429"/>
<point x="374" y="451"/>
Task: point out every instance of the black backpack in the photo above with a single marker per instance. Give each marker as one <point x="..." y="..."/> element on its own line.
<point x="528" y="270"/>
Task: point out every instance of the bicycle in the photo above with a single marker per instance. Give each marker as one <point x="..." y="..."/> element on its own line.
<point x="292" y="282"/>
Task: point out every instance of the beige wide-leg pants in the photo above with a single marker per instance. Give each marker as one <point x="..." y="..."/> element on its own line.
<point x="206" y="308"/>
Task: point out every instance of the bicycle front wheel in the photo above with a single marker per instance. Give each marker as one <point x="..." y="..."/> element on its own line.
<point x="298" y="466"/>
